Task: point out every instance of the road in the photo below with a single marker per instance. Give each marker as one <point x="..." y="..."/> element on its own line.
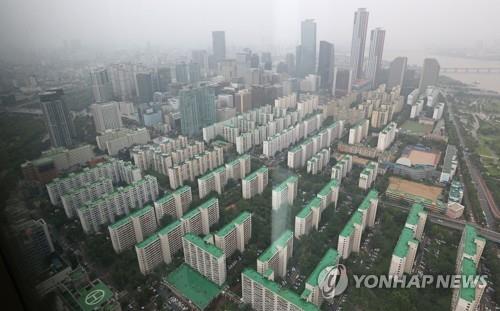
<point x="485" y="198"/>
<point x="451" y="223"/>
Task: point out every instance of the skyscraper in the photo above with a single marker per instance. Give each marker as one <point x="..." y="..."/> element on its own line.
<point x="194" y="72"/>
<point x="219" y="45"/>
<point x="430" y="73"/>
<point x="101" y="85"/>
<point x="290" y="63"/>
<point x="307" y="60"/>
<point x="144" y="86"/>
<point x="358" y="42"/>
<point x="57" y="118"/>
<point x="164" y="76"/>
<point x="181" y="73"/>
<point x="397" y="72"/>
<point x="197" y="107"/>
<point x="377" y="38"/>
<point x="201" y="57"/>
<point x="326" y="64"/>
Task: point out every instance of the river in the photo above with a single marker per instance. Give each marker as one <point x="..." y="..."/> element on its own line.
<point x="488" y="81"/>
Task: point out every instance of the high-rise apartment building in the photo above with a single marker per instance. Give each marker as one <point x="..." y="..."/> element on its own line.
<point x="274" y="259"/>
<point x="235" y="235"/>
<point x="174" y="204"/>
<point x="219" y="45"/>
<point x="312" y="292"/>
<point x="374" y="65"/>
<point x="386" y="136"/>
<point x="144" y="86"/>
<point x="133" y="228"/>
<point x="197" y="107"/>
<point x="104" y="210"/>
<point x="214" y="180"/>
<point x="368" y="175"/>
<point x="73" y="200"/>
<point x="206" y="258"/>
<point x="350" y="236"/>
<point x="359" y="131"/>
<point x="265" y="295"/>
<point x="102" y="89"/>
<point x="429" y="75"/>
<point x="358" y="42"/>
<point x="307" y="59"/>
<point x="397" y="71"/>
<point x="284" y="194"/>
<point x="238" y="168"/>
<point x="106" y="116"/>
<point x="405" y="251"/>
<point x="57" y="118"/>
<point x="255" y="183"/>
<point x="342" y="167"/>
<point x="326" y="64"/>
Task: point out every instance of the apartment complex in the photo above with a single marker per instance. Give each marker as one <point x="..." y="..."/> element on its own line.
<point x="133" y="228"/>
<point x="206" y="258"/>
<point x="273" y="261"/>
<point x="450" y="164"/>
<point x="214" y="180"/>
<point x="192" y="168"/>
<point x="174" y="204"/>
<point x="312" y="292"/>
<point x="120" y="202"/>
<point x="285" y="193"/>
<point x="166" y="242"/>
<point x="405" y="251"/>
<point x="255" y="183"/>
<point x="342" y="167"/>
<point x="368" y="175"/>
<point x="117" y="170"/>
<point x="235" y="235"/>
<point x="350" y="236"/>
<point x="386" y="136"/>
<point x="358" y="131"/>
<point x="310" y="216"/>
<point x="71" y="201"/>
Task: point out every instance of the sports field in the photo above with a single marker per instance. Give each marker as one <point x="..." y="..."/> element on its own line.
<point x="193" y="286"/>
<point x="415" y="188"/>
<point x="417" y="128"/>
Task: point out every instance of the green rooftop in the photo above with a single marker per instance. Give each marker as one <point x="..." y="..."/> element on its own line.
<point x="407" y="235"/>
<point x="468" y="269"/>
<point x="314" y="203"/>
<point x="470" y="246"/>
<point x="413" y="216"/>
<point x="330" y="258"/>
<point x="209" y="203"/>
<point x="334" y="183"/>
<point x="151" y="239"/>
<point x="193" y="286"/>
<point x="128" y="218"/>
<point x="230" y="226"/>
<point x="168" y="228"/>
<point x="209" y="248"/>
<point x="95" y="297"/>
<point x="285" y="294"/>
<point x="170" y="196"/>
<point x="282" y="186"/>
<point x="262" y="169"/>
<point x="373" y="194"/>
<point x="356" y="219"/>
<point x="271" y="250"/>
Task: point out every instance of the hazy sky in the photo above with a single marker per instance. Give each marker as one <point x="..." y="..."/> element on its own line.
<point x="410" y="24"/>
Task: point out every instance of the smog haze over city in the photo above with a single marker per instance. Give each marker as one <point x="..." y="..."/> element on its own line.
<point x="250" y="155"/>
